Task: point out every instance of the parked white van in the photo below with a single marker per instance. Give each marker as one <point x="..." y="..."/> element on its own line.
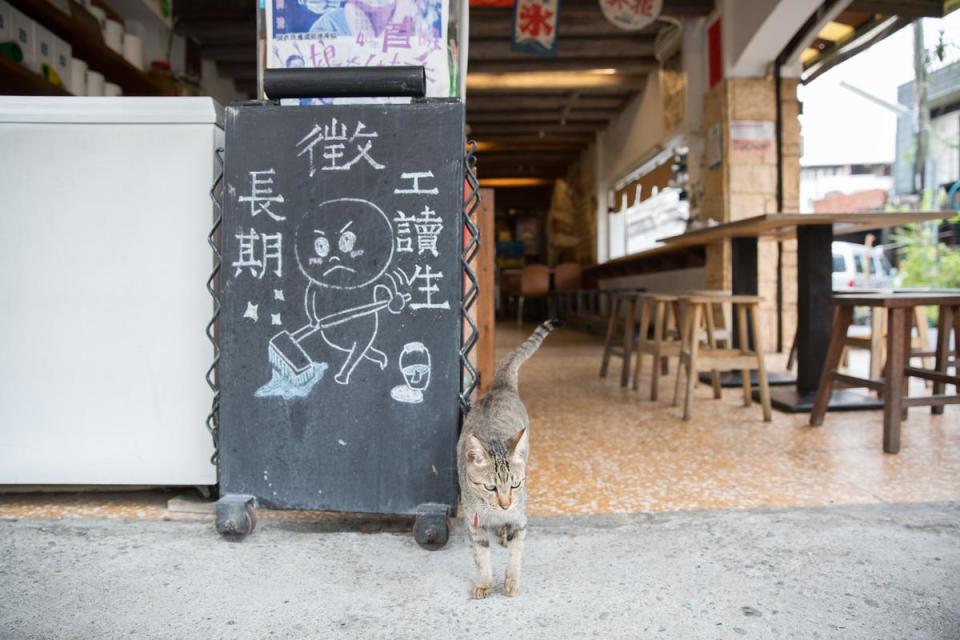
<point x="850" y="265"/>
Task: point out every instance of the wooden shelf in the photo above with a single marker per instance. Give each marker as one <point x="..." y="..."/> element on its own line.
<point x="17" y="80"/>
<point x="81" y="31"/>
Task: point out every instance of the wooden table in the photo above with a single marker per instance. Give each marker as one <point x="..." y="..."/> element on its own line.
<point x="814" y="233"/>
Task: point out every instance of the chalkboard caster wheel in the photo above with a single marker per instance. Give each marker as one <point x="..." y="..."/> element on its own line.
<point x="236" y="516"/>
<point x="431" y="529"/>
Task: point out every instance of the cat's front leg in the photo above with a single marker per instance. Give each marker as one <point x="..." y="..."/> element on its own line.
<point x="480" y="544"/>
<point x="515" y="537"/>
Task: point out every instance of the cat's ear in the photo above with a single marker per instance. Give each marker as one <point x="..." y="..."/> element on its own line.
<point x="518" y="446"/>
<point x="476" y="453"/>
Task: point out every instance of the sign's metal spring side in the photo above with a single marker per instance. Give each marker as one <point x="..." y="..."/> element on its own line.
<point x="213" y="287"/>
<point x="469" y="378"/>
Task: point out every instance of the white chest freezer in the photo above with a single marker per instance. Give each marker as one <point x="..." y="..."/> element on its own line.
<point x="104" y="216"/>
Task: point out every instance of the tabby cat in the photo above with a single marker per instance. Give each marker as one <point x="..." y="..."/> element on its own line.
<point x="492" y="462"/>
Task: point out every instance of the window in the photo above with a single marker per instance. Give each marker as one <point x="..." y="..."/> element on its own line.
<point x="882" y="265"/>
<point x="858" y="264"/>
<point x="839" y="264"/>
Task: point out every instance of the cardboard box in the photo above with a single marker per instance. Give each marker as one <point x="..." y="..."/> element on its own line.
<point x="23" y="35"/>
<point x="6" y="22"/>
<point x="44" y="45"/>
<point x="62" y="55"/>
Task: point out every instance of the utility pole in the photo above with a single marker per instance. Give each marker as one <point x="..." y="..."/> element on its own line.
<point x="922" y="111"/>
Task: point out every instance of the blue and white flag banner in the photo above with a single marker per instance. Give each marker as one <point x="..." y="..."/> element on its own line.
<point x="535" y="26"/>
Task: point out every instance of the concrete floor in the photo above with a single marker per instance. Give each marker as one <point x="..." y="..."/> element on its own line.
<point x="598" y="448"/>
<point x="870" y="572"/>
<point x="810" y="533"/>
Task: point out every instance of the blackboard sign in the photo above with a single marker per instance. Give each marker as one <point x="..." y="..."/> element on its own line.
<point x="341" y="290"/>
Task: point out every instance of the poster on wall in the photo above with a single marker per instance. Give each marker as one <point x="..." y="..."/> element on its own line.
<point x="535" y="26"/>
<point x="631" y="15"/>
<point x="361" y="33"/>
<point x="528" y="232"/>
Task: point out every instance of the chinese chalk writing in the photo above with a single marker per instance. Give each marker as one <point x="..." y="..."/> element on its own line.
<point x="257" y="250"/>
<point x="261" y="194"/>
<point x="415" y="177"/>
<point x="332" y="140"/>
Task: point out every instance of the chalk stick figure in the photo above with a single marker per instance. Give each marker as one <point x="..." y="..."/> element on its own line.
<point x="344" y="248"/>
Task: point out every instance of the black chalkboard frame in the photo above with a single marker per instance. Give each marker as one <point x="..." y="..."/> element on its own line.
<point x="467" y="338"/>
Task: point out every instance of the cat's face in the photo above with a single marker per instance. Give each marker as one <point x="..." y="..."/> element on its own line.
<point x="496" y="471"/>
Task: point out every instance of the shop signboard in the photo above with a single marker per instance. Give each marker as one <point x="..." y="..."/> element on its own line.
<point x="341" y="290"/>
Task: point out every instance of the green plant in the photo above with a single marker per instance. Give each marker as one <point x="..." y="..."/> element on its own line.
<point x="925" y="261"/>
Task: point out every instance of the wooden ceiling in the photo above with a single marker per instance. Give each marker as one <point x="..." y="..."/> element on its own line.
<point x="539" y="132"/>
<point x="526" y="130"/>
<point x="529" y="131"/>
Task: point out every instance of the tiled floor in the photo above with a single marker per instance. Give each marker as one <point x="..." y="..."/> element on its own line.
<point x="599" y="449"/>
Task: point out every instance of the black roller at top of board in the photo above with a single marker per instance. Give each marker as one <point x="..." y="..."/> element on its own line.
<point x="345" y="82"/>
<point x="341" y="289"/>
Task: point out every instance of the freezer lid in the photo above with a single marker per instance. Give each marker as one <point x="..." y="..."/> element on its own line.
<point x="77" y="110"/>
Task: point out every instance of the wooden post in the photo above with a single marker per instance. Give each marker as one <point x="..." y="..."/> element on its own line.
<point x="484" y="265"/>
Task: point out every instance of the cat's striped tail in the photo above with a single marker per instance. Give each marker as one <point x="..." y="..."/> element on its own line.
<point x="509" y="368"/>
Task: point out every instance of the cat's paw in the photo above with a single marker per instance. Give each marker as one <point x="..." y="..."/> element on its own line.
<point x="481" y="591"/>
<point x="511" y="586"/>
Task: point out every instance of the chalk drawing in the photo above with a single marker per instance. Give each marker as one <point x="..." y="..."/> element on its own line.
<point x="415" y="366"/>
<point x="283" y="386"/>
<point x="251" y="311"/>
<point x="344" y="248"/>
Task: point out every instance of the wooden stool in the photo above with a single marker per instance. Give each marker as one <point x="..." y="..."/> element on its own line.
<point x="665" y="342"/>
<point x="625" y="303"/>
<point x="894" y="387"/>
<point x="697" y="311"/>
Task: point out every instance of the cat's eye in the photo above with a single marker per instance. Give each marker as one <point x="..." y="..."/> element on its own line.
<point x="490" y="487"/>
<point x="516" y="485"/>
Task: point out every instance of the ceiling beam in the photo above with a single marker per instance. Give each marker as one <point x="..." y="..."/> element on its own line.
<point x="525" y="172"/>
<point x="638" y="65"/>
<point x="523" y="155"/>
<point x="518" y="102"/>
<point x="540" y="115"/>
<point x="487" y="50"/>
<point x="209" y="32"/>
<point x="500" y="25"/>
<point x="686" y="8"/>
<point x="911" y="9"/>
<point x="552" y="84"/>
<point x="578" y="140"/>
<point x="534" y="128"/>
